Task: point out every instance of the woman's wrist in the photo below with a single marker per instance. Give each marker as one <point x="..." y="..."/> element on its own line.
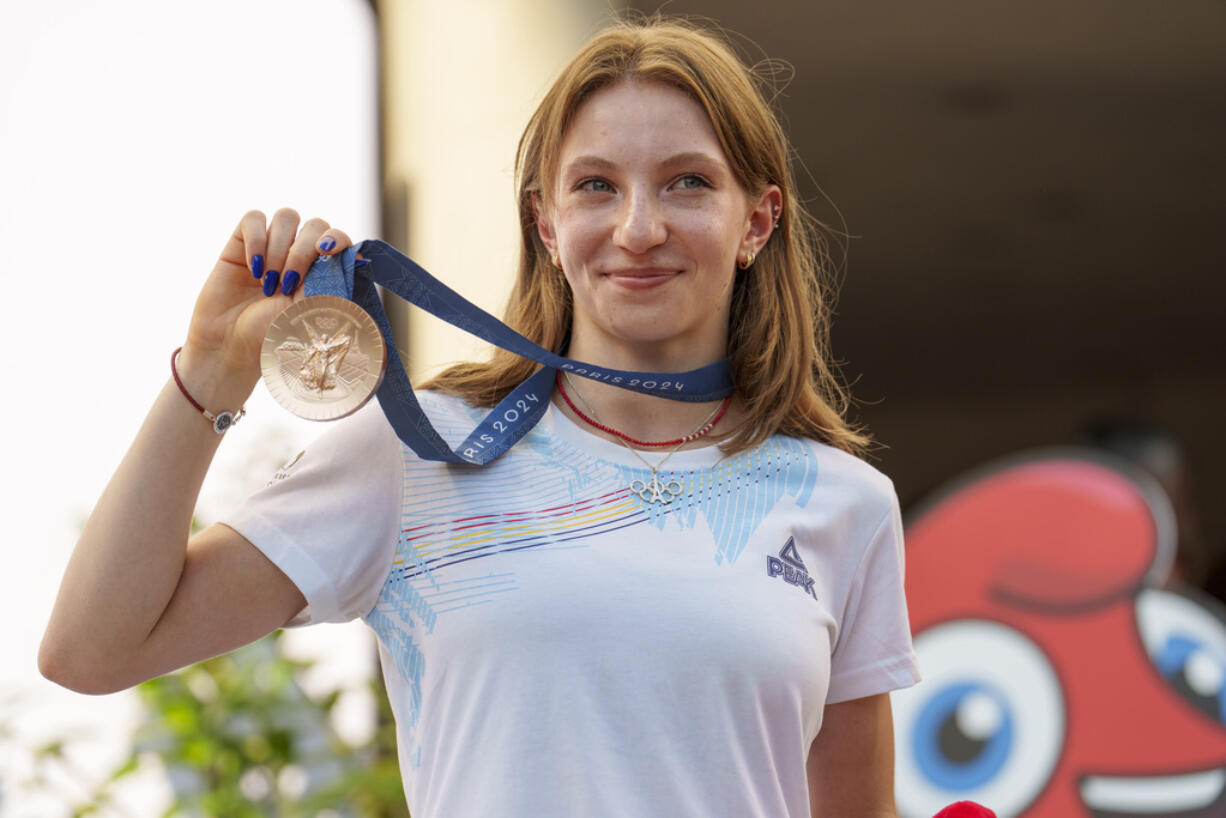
<point x="211" y="385"/>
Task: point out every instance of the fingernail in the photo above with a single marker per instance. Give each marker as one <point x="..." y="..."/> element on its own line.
<point x="360" y="263"/>
<point x="257" y="265"/>
<point x="290" y="282"/>
<point x="270" y="282"/>
<point x="326" y="244"/>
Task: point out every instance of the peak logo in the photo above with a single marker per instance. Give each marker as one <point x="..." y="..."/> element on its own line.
<point x="789" y="567"/>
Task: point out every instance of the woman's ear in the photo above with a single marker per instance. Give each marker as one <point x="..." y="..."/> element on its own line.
<point x="544" y="224"/>
<point x="763" y="218"/>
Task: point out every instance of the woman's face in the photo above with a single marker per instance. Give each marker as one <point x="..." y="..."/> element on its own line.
<point x="648" y="221"/>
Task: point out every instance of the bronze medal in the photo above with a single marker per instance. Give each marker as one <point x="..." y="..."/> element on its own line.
<point x="323" y="357"/>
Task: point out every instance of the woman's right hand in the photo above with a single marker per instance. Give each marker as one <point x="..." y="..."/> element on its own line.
<point x="259" y="271"/>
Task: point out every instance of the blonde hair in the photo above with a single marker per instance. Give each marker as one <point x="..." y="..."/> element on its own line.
<point x="779" y="327"/>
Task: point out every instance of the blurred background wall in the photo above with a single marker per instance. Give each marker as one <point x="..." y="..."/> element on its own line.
<point x="460" y="80"/>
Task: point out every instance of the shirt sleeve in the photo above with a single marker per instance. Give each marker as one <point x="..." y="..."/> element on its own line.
<point x="330" y="518"/>
<point x="873" y="653"/>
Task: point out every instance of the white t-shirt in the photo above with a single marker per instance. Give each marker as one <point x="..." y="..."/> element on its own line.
<point x="554" y="645"/>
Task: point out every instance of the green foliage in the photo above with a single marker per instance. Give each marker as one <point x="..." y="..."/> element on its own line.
<point x="238" y="738"/>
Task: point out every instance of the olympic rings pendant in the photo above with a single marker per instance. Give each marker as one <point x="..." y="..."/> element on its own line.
<point x="657" y="491"/>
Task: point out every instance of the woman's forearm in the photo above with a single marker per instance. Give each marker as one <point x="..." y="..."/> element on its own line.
<point x="129" y="558"/>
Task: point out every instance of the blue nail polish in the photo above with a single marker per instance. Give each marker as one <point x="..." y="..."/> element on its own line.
<point x="290" y="282"/>
<point x="360" y="263"/>
<point x="257" y="265"/>
<point x="271" y="279"/>
<point x="326" y="244"/>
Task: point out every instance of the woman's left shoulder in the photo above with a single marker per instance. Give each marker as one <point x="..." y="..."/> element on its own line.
<point x="845" y="472"/>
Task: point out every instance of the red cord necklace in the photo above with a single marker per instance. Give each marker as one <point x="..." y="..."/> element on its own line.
<point x="707" y="426"/>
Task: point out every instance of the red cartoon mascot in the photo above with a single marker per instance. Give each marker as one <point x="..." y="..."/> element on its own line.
<point x="1060" y="680"/>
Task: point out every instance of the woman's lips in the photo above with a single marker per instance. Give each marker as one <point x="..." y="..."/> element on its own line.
<point x="640" y="279"/>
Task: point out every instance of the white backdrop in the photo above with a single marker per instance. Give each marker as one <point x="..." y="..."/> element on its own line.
<point x="132" y="137"/>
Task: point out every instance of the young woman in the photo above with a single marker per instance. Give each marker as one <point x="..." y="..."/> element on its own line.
<point x="646" y="607"/>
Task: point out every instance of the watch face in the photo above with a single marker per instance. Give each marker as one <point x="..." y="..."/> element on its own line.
<point x="323" y="357"/>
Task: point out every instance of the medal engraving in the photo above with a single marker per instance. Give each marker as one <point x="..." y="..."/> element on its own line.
<point x="323" y="357"/>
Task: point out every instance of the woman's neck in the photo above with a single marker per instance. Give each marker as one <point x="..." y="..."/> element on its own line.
<point x="645" y="357"/>
<point x="639" y="416"/>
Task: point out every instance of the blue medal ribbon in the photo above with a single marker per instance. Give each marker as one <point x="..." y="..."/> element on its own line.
<point x="520" y="410"/>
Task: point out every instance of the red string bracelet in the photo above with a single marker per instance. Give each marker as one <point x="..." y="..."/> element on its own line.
<point x="694" y="435"/>
<point x="221" y="421"/>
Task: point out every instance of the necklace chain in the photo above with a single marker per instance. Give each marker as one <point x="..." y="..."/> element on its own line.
<point x="706" y="426"/>
<point x="657" y="490"/>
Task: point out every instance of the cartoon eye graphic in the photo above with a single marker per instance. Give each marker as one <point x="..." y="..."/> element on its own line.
<point x="1187" y="643"/>
<point x="987" y="723"/>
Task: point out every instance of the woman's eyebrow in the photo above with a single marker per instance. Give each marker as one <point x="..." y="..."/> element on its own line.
<point x="593" y="162"/>
<point x="693" y="157"/>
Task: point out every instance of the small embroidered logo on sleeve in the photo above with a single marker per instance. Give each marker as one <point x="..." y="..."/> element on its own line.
<point x="284" y="471"/>
<point x="789" y="567"/>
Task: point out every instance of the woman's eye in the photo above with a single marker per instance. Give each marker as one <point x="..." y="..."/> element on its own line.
<point x="595" y="185"/>
<point x="691" y="181"/>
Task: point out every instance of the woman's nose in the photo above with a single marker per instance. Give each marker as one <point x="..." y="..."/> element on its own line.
<point x="641" y="224"/>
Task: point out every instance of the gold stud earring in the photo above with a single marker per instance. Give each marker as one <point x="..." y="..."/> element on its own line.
<point x="744" y="265"/>
<point x="557" y="262"/>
